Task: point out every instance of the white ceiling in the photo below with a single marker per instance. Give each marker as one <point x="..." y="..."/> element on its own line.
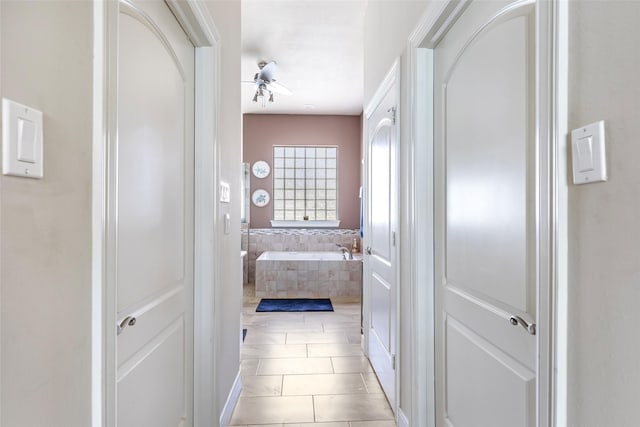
<point x="318" y="45"/>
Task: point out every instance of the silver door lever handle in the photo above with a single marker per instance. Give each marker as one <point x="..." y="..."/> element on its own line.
<point x="368" y="250"/>
<point x="517" y="320"/>
<point x="127" y="321"/>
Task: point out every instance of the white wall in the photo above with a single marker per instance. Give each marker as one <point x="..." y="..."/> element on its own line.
<point x="45" y="229"/>
<point x="604" y="230"/>
<point x="388" y="25"/>
<point x="45" y="232"/>
<point x="226" y="15"/>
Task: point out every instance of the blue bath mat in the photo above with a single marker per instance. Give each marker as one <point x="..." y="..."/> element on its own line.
<point x="295" y="304"/>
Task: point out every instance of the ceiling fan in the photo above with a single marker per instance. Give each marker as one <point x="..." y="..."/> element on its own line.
<point x="266" y="84"/>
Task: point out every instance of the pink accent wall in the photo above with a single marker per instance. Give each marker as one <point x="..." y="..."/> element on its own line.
<point x="262" y="131"/>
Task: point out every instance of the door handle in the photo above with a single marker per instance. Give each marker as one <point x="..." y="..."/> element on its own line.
<point x="127" y="321"/>
<point x="368" y="250"/>
<point x="517" y="320"/>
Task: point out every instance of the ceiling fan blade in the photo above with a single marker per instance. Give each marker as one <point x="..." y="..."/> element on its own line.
<point x="268" y="72"/>
<point x="278" y="88"/>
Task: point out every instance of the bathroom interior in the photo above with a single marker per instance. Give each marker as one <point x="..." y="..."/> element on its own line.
<point x="316" y="159"/>
<point x="302" y="174"/>
<point x="307" y="248"/>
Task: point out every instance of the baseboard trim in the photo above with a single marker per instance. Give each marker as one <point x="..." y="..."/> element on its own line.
<point x="403" y="421"/>
<point x="230" y="404"/>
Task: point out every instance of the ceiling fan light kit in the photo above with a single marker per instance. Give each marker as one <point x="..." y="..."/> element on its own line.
<point x="266" y="83"/>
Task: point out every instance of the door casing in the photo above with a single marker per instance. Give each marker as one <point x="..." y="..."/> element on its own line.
<point x="199" y="26"/>
<point x="551" y="121"/>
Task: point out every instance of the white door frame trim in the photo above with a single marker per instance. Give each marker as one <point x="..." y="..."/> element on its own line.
<point x="392" y="77"/>
<point x="552" y="120"/>
<point x="199" y="26"/>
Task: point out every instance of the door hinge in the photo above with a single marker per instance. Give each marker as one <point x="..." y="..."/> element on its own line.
<point x="393" y="362"/>
<point x="393" y="238"/>
<point x="392" y="110"/>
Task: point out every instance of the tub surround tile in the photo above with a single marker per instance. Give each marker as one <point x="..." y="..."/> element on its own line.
<point x="308" y="279"/>
<point x="303" y="240"/>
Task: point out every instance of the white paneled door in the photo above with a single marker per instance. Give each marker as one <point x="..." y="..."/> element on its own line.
<point x="380" y="261"/>
<point x="154" y="169"/>
<point x="486" y="223"/>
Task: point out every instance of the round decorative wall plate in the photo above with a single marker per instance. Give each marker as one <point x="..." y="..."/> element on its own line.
<point x="260" y="198"/>
<point x="261" y="169"/>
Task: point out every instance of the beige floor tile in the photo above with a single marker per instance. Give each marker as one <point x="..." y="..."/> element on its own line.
<point x="334" y="318"/>
<point x="295" y="366"/>
<point x="317" y="338"/>
<point x="373" y="424"/>
<point x="344" y="365"/>
<point x="264" y="385"/>
<point x="316" y="425"/>
<point x="352" y="407"/>
<point x="271" y="351"/>
<point x="354" y="337"/>
<point x="258" y="337"/>
<point x="299" y="329"/>
<point x="270" y="410"/>
<point x="351" y="325"/>
<point x="372" y="383"/>
<point x="333" y="350"/>
<point x="267" y="351"/>
<point x="301" y="324"/>
<point x="249" y="367"/>
<point x="302" y="385"/>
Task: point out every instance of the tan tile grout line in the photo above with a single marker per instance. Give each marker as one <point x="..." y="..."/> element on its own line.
<point x="282" y="386"/>
<point x="313" y="405"/>
<point x="365" y="383"/>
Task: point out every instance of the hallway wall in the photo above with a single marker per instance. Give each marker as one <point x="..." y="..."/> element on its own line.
<point x="228" y="305"/>
<point x="604" y="231"/>
<point x="46" y="61"/>
<point x="45" y="230"/>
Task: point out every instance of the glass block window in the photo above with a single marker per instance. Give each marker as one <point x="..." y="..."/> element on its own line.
<point x="305" y="183"/>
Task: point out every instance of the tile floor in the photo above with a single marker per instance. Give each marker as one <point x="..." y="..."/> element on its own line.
<point x="307" y="369"/>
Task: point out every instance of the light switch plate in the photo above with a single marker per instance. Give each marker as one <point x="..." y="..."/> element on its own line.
<point x="225" y="192"/>
<point x="588" y="154"/>
<point x="21" y="140"/>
